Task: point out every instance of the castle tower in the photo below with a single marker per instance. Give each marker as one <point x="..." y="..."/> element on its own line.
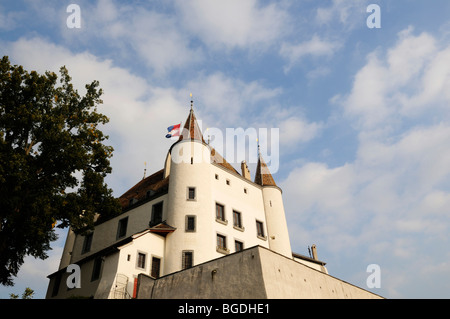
<point x="189" y="200"/>
<point x="277" y="229"/>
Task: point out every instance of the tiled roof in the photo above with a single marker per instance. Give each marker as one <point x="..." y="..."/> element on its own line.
<point x="162" y="229"/>
<point x="218" y="159"/>
<point x="262" y="175"/>
<point x="154" y="183"/>
<point x="191" y="129"/>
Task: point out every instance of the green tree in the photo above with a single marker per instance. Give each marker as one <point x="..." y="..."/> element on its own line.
<point x="27" y="294"/>
<point x="48" y="135"/>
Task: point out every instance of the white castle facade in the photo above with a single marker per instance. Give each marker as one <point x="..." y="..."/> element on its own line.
<point x="195" y="210"/>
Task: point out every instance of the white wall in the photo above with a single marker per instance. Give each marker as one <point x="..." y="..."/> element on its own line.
<point x="233" y="197"/>
<point x="152" y="245"/>
<point x="105" y="234"/>
<point x="278" y="234"/>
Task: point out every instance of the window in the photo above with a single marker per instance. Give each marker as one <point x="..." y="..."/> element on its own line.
<point x="187" y="259"/>
<point x="132" y="201"/>
<point x="157" y="210"/>
<point x="122" y="227"/>
<point x="156" y="265"/>
<point x="190" y="223"/>
<point x="222" y="244"/>
<point x="260" y="229"/>
<point x="56" y="285"/>
<point x="191" y="193"/>
<point x="228" y="182"/>
<point x="245" y="190"/>
<point x="141" y="260"/>
<point x="237" y="222"/>
<point x="87" y="243"/>
<point x="220" y="212"/>
<point x="217" y="176"/>
<point x="238" y="245"/>
<point x="96" y="270"/>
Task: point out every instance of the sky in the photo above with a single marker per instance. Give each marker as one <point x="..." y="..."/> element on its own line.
<point x="361" y="113"/>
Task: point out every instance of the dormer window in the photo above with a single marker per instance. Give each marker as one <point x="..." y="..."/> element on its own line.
<point x="87" y="243"/>
<point x="157" y="211"/>
<point x="132" y="201"/>
<point x="122" y="227"/>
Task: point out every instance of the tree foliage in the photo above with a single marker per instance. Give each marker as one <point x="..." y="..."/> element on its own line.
<point x="52" y="162"/>
<point x="27" y="294"/>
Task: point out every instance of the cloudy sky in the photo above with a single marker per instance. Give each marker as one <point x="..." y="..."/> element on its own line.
<point x="363" y="113"/>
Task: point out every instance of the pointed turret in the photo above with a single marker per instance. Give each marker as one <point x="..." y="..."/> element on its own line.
<point x="191" y="130"/>
<point x="263" y="176"/>
<point x="277" y="231"/>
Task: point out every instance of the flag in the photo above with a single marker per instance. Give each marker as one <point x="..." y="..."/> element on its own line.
<point x="173" y="130"/>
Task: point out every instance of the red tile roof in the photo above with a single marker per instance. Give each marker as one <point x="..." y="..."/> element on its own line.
<point x="263" y="176"/>
<point x="218" y="159"/>
<point x="191" y="129"/>
<point x="155" y="183"/>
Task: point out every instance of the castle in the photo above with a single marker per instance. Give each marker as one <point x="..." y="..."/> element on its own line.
<point x="196" y="213"/>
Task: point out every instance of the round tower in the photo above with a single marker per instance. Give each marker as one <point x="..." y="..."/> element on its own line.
<point x="189" y="207"/>
<point x="277" y="229"/>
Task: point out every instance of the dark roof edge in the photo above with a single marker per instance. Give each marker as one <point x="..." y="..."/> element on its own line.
<point x="303" y="257"/>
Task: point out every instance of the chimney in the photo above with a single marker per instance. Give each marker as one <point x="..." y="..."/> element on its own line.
<point x="245" y="171"/>
<point x="314" y="252"/>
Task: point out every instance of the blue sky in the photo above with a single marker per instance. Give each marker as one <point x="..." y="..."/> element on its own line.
<point x="363" y="114"/>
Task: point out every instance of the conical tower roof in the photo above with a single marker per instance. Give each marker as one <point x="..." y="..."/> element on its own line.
<point x="191" y="130"/>
<point x="263" y="176"/>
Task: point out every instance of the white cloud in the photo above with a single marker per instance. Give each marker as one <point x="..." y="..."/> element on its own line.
<point x="385" y="207"/>
<point x="139" y="113"/>
<point x="296" y="129"/>
<point x="388" y="204"/>
<point x="315" y="47"/>
<point x="345" y="12"/>
<point x="9" y="20"/>
<point x="233" y="24"/>
<point x="408" y="82"/>
<point x="398" y="182"/>
<point x="155" y="39"/>
<point x="228" y="102"/>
